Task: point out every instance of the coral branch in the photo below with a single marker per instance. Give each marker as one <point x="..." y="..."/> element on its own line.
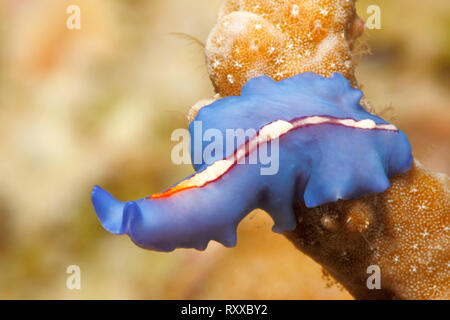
<point x="404" y="230"/>
<point x="281" y="39"/>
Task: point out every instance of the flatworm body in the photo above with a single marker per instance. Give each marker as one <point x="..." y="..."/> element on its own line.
<point x="330" y="148"/>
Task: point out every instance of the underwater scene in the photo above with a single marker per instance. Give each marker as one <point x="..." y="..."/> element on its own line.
<point x="224" y="149"/>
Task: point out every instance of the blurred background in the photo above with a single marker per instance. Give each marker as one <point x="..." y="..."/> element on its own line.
<point x="98" y="106"/>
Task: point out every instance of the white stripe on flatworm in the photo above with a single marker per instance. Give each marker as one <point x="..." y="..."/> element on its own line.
<point x="267" y="133"/>
<point x="366" y="124"/>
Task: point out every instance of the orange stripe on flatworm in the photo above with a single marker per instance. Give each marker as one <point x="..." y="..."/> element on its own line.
<point x="171" y="192"/>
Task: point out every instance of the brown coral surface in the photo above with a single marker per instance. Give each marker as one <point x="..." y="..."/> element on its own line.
<point x="404" y="231"/>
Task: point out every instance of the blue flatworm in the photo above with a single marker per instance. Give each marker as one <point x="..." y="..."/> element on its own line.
<point x="330" y="148"/>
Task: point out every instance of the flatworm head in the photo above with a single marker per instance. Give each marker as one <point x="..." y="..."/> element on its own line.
<point x="328" y="148"/>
